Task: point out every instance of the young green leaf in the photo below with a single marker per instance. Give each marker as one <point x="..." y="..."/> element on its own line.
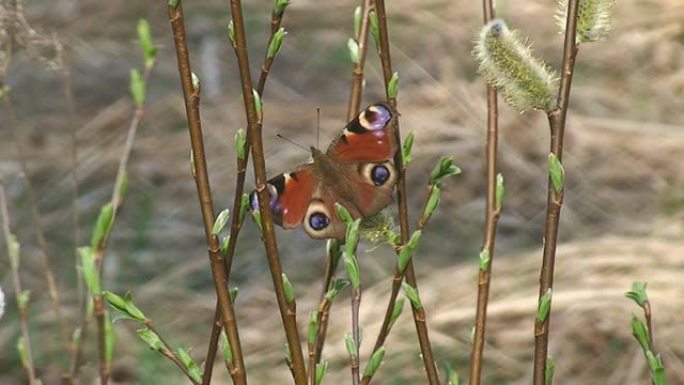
<point x="110" y="338"/>
<point x="407" y="251"/>
<point x="125" y="305"/>
<point x="146" y="45"/>
<point x="353" y="48"/>
<point x="333" y="250"/>
<point x="233" y="294"/>
<point x="103" y="226"/>
<point x="396" y="311"/>
<point x="412" y="294"/>
<point x="443" y="169"/>
<point x="352" y="237"/>
<point x="544" y="306"/>
<point x="484" y="259"/>
<point x="374" y="362"/>
<point x="336" y="286"/>
<point x="640" y="333"/>
<point x="244" y="206"/>
<point x="221" y="221"/>
<point x="151" y="338"/>
<point x="23" y="299"/>
<point x="256" y="216"/>
<point x="500" y="192"/>
<point x="231" y="32"/>
<point x="351" y="346"/>
<point x="241" y="144"/>
<point x="14" y="251"/>
<point x="173" y="3"/>
<point x="313" y="327"/>
<point x="556" y="173"/>
<point x="279" y="7"/>
<point x="357" y="21"/>
<point x="227" y="349"/>
<point x="275" y="43"/>
<point x="638" y="293"/>
<point x="224" y="245"/>
<point x="352" y="265"/>
<point x="655" y="363"/>
<point x="375" y="30"/>
<point x="550" y="368"/>
<point x="89" y="270"/>
<point x="393" y="86"/>
<point x="196" y="81"/>
<point x="258" y="106"/>
<point x="190" y="364"/>
<point x="452" y="375"/>
<point x="21" y="350"/>
<point x="343" y="214"/>
<point x="406" y="148"/>
<point x="321" y="368"/>
<point x="289" y="290"/>
<point x="433" y="201"/>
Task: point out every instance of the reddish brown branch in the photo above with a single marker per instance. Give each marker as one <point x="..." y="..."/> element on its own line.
<point x="201" y="176"/>
<point x="357" y="73"/>
<point x="492" y="213"/>
<point x="554" y="202"/>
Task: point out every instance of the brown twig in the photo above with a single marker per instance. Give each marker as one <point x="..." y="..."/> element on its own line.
<point x="492" y="213"/>
<point x="236" y="223"/>
<point x="418" y="314"/>
<point x="357" y="73"/>
<point x="168" y="352"/>
<point x="556" y="119"/>
<point x="355" y="304"/>
<point x="201" y="176"/>
<point x="324" y="312"/>
<point x="53" y="291"/>
<point x="98" y="307"/>
<point x="16" y="280"/>
<point x="270" y="243"/>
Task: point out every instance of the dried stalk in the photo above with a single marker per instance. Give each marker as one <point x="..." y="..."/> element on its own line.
<point x="16" y="280"/>
<point x="492" y="213"/>
<point x="236" y="223"/>
<point x="556" y="119"/>
<point x="418" y="314"/>
<point x="201" y="176"/>
<point x="270" y="243"/>
<point x="357" y="74"/>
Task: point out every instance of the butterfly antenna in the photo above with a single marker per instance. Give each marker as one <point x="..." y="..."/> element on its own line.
<point x="318" y="127"/>
<point x="292" y="142"/>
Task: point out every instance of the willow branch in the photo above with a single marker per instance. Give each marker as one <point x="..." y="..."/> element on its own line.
<point x="324" y="312"/>
<point x="201" y="175"/>
<point x="16" y="281"/>
<point x="418" y="314"/>
<point x="270" y="243"/>
<point x="492" y="213"/>
<point x="98" y="307"/>
<point x="48" y="271"/>
<point x="169" y="353"/>
<point x="236" y="223"/>
<point x="357" y="73"/>
<point x="556" y="119"/>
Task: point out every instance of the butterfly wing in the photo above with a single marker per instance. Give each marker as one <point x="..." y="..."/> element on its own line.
<point x="370" y="137"/>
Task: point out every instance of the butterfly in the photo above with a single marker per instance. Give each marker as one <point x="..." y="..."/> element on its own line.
<point x="355" y="171"/>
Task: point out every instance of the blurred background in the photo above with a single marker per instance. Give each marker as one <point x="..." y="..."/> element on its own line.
<point x="622" y="219"/>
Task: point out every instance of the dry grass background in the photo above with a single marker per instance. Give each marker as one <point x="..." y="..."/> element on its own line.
<point x="622" y="220"/>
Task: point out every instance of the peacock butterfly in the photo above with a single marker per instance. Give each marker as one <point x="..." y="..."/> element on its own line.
<point x="355" y="171"/>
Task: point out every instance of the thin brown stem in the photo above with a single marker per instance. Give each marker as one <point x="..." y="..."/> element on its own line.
<point x="324" y="313"/>
<point x="48" y="271"/>
<point x="357" y="73"/>
<point x="16" y="281"/>
<point x="355" y="304"/>
<point x="236" y="224"/>
<point x="492" y="213"/>
<point x="270" y="243"/>
<point x="418" y="314"/>
<point x="201" y="176"/>
<point x="554" y="202"/>
<point x="649" y="324"/>
<point x="169" y="353"/>
<point x="98" y="307"/>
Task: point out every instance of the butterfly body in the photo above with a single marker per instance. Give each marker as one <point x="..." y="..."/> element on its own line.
<point x="356" y="171"/>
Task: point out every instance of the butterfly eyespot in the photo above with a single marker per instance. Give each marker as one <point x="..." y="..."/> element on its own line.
<point x="380" y="175"/>
<point x="375" y="117"/>
<point x="318" y="221"/>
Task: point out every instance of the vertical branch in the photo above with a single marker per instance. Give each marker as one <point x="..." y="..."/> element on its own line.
<point x="53" y="291"/>
<point x="418" y="314"/>
<point x="191" y="93"/>
<point x="556" y="119"/>
<point x="492" y="213"/>
<point x="357" y="73"/>
<point x="98" y="307"/>
<point x="236" y="221"/>
<point x="270" y="243"/>
<point x="16" y="280"/>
